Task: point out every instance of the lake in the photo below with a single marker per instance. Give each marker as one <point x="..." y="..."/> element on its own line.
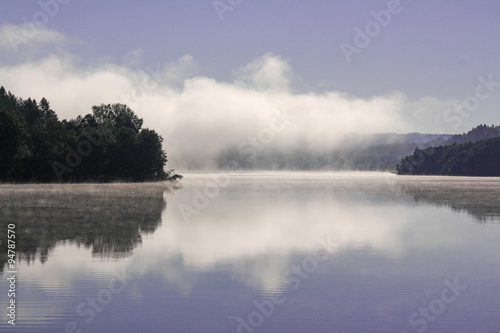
<point x="255" y="252"/>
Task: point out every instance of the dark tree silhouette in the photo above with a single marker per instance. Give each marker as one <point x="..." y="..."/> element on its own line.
<point x="107" y="145"/>
<point x="479" y="158"/>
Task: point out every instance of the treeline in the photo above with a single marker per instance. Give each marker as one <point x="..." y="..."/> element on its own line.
<point x="106" y="145"/>
<point x="478" y="158"/>
<point x="385" y="156"/>
<point x="480" y="132"/>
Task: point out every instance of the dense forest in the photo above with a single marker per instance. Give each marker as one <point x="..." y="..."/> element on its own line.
<point x="106" y="145"/>
<point x="478" y="155"/>
<point x="480" y="132"/>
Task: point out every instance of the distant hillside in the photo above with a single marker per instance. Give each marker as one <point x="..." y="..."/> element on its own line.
<point x="380" y="151"/>
<point x="480" y="132"/>
<point x="479" y="158"/>
<point x="356" y="151"/>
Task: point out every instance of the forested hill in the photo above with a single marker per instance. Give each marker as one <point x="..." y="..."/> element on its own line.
<point x="107" y="145"/>
<point x="479" y="158"/>
<point x="480" y="132"/>
<point x="376" y="151"/>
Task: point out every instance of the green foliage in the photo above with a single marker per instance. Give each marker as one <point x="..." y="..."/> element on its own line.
<point x="479" y="158"/>
<point x="107" y="145"/>
<point x="480" y="132"/>
<point x="116" y="116"/>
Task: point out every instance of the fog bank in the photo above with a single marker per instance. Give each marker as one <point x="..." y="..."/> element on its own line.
<point x="200" y="117"/>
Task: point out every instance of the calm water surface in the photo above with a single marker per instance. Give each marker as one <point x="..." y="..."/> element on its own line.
<point x="259" y="252"/>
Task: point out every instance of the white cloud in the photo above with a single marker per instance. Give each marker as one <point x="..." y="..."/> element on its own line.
<point x="175" y="72"/>
<point x="133" y="57"/>
<point x="269" y="72"/>
<point x="19" y="39"/>
<point x="199" y="116"/>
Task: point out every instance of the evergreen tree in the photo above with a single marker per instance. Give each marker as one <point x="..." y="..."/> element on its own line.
<point x="107" y="145"/>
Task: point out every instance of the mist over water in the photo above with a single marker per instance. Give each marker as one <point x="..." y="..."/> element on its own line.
<point x="251" y="166"/>
<point x="346" y="252"/>
<point x="200" y="117"/>
<point x="261" y="110"/>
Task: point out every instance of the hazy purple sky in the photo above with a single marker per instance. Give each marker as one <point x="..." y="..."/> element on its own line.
<point x="430" y="48"/>
<point x="430" y="56"/>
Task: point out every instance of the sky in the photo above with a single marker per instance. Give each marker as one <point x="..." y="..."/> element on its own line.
<point x="206" y="74"/>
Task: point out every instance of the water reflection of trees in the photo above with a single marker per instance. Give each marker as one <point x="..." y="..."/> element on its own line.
<point x="109" y="219"/>
<point x="480" y="197"/>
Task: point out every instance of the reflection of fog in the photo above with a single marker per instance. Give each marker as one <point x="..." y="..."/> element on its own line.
<point x="248" y="237"/>
<point x="255" y="228"/>
<point x="247" y="229"/>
